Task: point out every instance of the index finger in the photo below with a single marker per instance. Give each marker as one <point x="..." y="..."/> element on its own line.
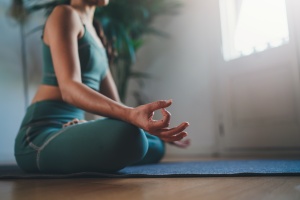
<point x="159" y="104"/>
<point x="166" y="116"/>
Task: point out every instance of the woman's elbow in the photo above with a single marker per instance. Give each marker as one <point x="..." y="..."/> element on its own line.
<point x="66" y="96"/>
<point x="67" y="92"/>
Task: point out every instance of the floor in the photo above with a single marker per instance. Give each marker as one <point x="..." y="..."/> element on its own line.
<point x="239" y="188"/>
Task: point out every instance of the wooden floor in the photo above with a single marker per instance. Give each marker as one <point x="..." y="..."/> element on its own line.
<point x="254" y="188"/>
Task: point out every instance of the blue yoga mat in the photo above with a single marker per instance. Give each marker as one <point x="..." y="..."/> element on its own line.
<point x="179" y="169"/>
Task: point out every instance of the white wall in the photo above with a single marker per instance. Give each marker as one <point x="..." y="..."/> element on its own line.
<point x="12" y="101"/>
<point x="11" y="91"/>
<point x="181" y="70"/>
<point x="185" y="68"/>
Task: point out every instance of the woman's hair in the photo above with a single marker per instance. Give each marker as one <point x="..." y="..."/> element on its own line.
<point x="108" y="45"/>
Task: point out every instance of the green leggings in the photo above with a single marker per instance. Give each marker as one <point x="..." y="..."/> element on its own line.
<point x="102" y="145"/>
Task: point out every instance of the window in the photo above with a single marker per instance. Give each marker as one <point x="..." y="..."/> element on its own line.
<point x="251" y="26"/>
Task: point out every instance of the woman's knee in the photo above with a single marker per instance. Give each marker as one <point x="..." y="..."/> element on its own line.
<point x="125" y="144"/>
<point x="156" y="151"/>
<point x="133" y="143"/>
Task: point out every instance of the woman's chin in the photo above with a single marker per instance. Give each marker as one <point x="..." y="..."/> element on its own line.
<point x="97" y="2"/>
<point x="103" y="2"/>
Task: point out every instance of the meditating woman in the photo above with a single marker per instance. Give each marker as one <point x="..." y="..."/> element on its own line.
<point x="54" y="137"/>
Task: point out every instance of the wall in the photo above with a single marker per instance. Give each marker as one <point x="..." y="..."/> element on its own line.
<point x="181" y="70"/>
<point x="12" y="101"/>
<point x="186" y="68"/>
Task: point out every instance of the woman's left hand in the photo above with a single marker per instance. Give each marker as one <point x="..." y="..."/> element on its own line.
<point x="142" y="117"/>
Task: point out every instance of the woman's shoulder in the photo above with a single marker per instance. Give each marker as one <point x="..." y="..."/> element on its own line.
<point x="64" y="13"/>
<point x="63" y="22"/>
<point x="63" y="18"/>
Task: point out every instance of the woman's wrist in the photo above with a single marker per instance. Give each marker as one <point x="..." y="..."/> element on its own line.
<point x="127" y="114"/>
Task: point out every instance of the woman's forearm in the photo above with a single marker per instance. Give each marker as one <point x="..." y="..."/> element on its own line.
<point x="91" y="101"/>
<point x="108" y="88"/>
<point x="87" y="99"/>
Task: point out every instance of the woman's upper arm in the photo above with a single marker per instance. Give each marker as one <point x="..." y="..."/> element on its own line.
<point x="62" y="30"/>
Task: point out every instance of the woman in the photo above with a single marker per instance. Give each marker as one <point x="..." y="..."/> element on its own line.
<point x="53" y="136"/>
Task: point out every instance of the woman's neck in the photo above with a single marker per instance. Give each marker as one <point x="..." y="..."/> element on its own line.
<point x="85" y="10"/>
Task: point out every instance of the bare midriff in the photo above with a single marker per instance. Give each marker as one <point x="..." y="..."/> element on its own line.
<point x="47" y="92"/>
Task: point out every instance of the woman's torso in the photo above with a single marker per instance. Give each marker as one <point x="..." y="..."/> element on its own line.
<point x="87" y="41"/>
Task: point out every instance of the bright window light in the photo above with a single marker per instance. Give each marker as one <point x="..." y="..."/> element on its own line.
<point x="252" y="26"/>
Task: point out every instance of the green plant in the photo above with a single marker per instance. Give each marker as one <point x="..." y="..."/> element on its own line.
<point x="125" y="22"/>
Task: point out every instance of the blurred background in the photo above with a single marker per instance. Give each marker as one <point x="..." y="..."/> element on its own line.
<point x="230" y="66"/>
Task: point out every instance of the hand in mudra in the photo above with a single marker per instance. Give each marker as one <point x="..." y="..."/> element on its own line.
<point x="142" y="116"/>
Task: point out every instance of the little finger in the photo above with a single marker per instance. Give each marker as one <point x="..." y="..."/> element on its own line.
<point x="174" y="138"/>
<point x="173" y="131"/>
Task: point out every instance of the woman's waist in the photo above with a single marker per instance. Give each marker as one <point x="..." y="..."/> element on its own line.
<point x="51" y="111"/>
<point x="47" y="92"/>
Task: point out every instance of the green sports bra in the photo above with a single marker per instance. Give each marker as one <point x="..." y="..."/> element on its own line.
<point x="93" y="62"/>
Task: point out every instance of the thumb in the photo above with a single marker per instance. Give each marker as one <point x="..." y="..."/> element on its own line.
<point x="160" y="104"/>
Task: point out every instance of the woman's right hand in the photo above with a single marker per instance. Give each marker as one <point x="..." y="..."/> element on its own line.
<point x="142" y="116"/>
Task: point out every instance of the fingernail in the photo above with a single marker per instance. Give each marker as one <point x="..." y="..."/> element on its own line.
<point x="169" y="101"/>
<point x="185" y="124"/>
